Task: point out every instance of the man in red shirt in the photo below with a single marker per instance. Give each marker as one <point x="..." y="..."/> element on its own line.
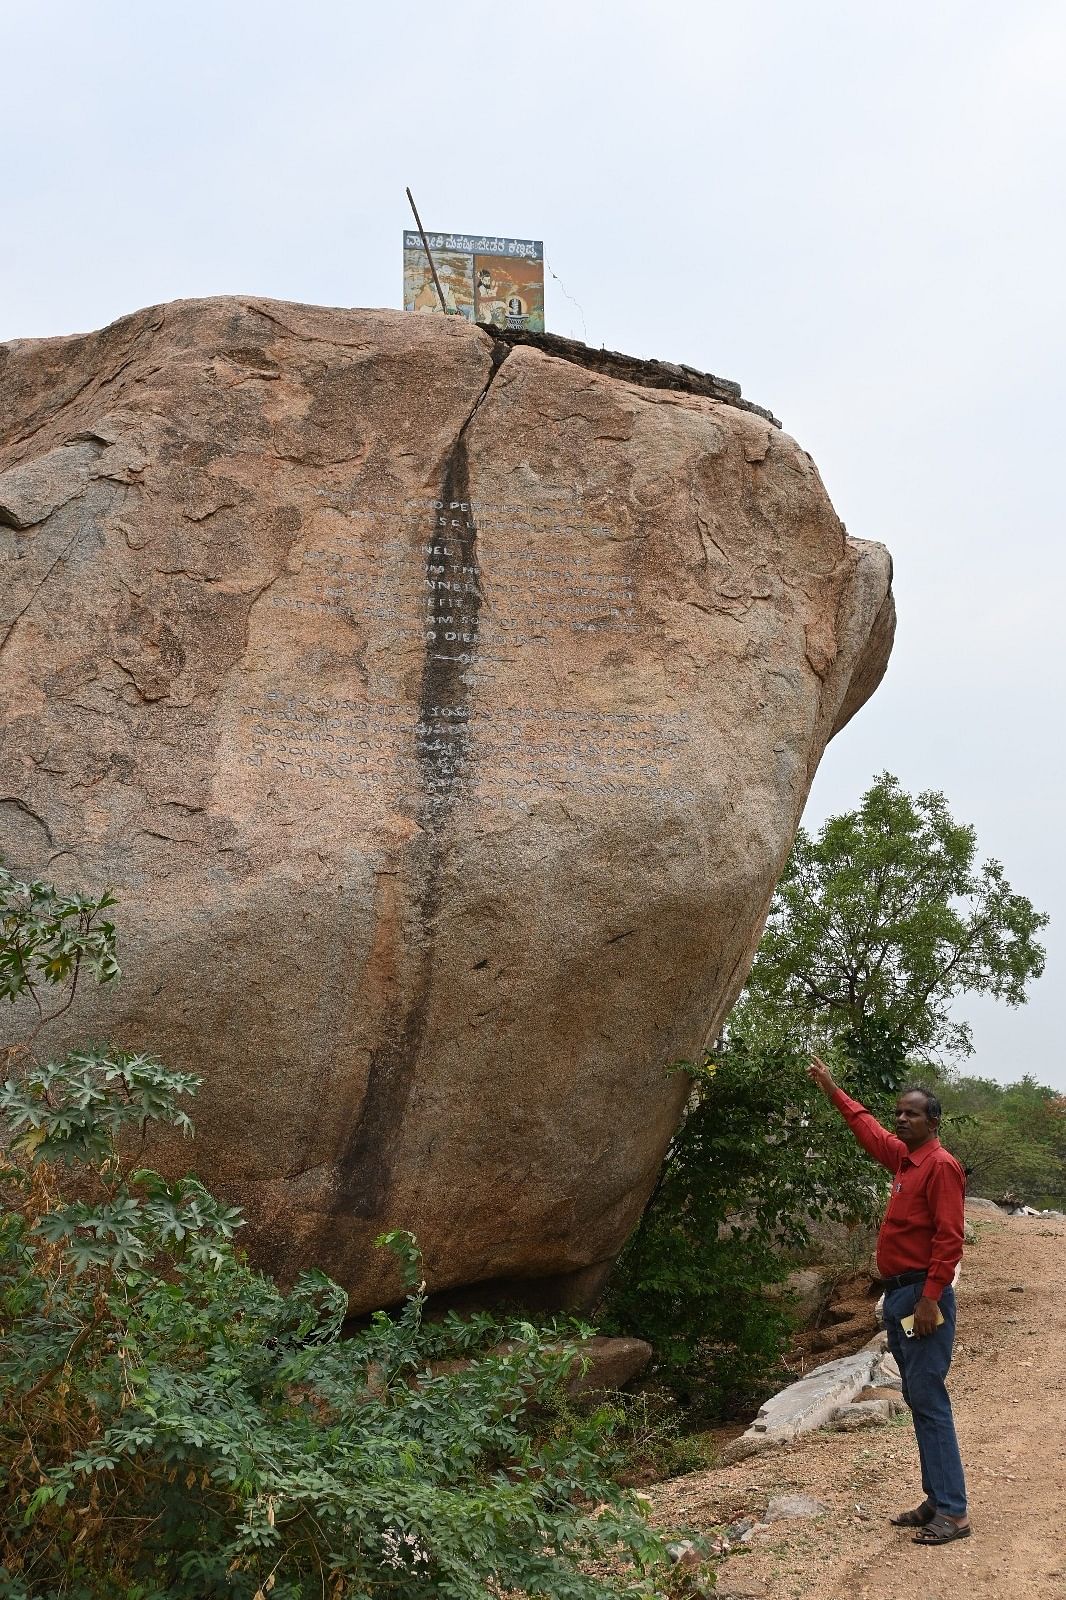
<point x="918" y="1248"/>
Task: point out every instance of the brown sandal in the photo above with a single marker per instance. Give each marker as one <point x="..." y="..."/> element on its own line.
<point x="942" y="1530"/>
<point x="918" y="1518"/>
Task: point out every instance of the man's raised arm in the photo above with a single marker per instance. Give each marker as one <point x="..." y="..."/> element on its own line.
<point x="875" y="1140"/>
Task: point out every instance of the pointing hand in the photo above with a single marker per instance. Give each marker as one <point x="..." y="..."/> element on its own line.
<point x="820" y="1074"/>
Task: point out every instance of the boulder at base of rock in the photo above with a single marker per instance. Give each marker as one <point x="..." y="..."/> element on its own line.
<point x="441" y="712"/>
<point x="607" y="1363"/>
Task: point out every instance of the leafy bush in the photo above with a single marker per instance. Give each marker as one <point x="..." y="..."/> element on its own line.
<point x="174" y="1424"/>
<point x="46" y="939"/>
<point x="653" y="1434"/>
<point x="758" y="1159"/>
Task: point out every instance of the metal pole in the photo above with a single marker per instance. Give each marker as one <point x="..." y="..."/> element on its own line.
<point x="425" y="246"/>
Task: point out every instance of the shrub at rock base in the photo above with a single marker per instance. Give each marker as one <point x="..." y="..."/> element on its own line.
<point x="752" y="1167"/>
<point x="174" y="1425"/>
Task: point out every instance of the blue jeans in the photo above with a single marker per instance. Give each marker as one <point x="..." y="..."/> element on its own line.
<point x="923" y="1366"/>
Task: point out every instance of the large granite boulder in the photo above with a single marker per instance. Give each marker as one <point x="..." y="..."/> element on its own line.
<point x="441" y="711"/>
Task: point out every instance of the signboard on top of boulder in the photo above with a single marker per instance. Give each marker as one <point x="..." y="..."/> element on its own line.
<point x="484" y="278"/>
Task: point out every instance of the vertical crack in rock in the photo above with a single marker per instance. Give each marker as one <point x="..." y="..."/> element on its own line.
<point x="451" y="615"/>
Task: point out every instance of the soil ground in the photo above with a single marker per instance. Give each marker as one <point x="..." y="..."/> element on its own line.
<point x="1008" y="1387"/>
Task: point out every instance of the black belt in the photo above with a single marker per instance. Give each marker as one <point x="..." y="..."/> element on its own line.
<point x="902" y="1280"/>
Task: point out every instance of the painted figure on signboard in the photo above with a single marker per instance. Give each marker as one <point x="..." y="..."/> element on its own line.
<point x="488" y="293"/>
<point x="504" y="288"/>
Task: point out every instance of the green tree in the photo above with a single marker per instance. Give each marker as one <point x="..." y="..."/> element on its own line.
<point x="879" y="923"/>
<point x="876" y="926"/>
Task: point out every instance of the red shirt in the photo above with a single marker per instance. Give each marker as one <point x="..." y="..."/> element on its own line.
<point x="922" y="1228"/>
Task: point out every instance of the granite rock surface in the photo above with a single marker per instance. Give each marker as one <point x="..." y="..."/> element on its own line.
<point x="442" y="713"/>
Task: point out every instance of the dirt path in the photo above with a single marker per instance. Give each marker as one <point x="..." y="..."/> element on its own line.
<point x="1008" y="1386"/>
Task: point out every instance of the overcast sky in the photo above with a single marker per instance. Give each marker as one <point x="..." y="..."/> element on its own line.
<point x="857" y="212"/>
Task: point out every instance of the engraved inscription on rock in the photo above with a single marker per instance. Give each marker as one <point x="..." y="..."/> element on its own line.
<point x="402" y="575"/>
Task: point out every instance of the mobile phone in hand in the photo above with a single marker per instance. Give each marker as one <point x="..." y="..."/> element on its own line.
<point x="907" y="1323"/>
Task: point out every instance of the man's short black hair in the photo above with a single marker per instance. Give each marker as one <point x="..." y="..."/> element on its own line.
<point x="933" y="1109"/>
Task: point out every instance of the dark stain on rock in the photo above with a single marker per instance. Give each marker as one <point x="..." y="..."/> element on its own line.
<point x="452" y="612"/>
